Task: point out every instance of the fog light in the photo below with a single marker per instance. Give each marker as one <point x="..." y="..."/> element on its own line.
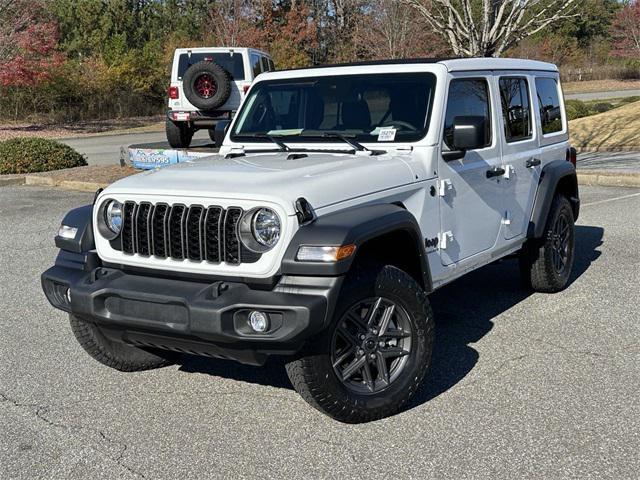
<point x="259" y="321"/>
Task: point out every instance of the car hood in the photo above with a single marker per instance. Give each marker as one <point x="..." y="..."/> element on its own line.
<point x="323" y="178"/>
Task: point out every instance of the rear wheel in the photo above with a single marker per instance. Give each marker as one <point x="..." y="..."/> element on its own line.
<point x="179" y="134"/>
<point x="546" y="264"/>
<point x="125" y="358"/>
<point x="374" y="356"/>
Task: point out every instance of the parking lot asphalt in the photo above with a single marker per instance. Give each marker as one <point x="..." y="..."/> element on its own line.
<point x="521" y="385"/>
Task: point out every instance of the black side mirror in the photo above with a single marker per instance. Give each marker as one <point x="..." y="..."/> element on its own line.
<point x="468" y="134"/>
<point x="220" y="132"/>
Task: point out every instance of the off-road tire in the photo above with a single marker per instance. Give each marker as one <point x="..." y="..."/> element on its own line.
<point x="179" y="134"/>
<point x="212" y="136"/>
<point x="537" y="257"/>
<point x="116" y="355"/>
<point x="314" y="378"/>
<point x="217" y="74"/>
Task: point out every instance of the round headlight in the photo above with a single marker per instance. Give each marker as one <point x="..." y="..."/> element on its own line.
<point x="266" y="227"/>
<point x="113" y="216"/>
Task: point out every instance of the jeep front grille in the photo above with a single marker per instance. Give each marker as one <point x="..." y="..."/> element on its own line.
<point x="181" y="232"/>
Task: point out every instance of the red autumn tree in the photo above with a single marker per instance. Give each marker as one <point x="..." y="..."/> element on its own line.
<point x="27" y="43"/>
<point x="626" y="31"/>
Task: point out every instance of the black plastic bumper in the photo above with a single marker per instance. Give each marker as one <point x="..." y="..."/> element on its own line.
<point x="205" y="318"/>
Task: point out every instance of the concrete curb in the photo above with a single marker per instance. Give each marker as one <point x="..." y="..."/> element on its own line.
<point x="608" y="178"/>
<point x="12" y="180"/>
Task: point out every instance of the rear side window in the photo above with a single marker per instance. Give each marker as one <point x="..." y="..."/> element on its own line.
<point x="468" y="97"/>
<point x="256" y="66"/>
<point x="231" y="63"/>
<point x="549" y="100"/>
<point x="516" y="109"/>
<point x="272" y="67"/>
<point x="265" y="64"/>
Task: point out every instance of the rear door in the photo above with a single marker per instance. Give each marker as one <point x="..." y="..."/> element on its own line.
<point x="470" y="203"/>
<point x="520" y="150"/>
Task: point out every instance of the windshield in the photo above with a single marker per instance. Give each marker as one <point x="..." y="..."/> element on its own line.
<point x="368" y="108"/>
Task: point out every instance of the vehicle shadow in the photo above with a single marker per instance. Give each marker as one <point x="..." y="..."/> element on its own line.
<point x="464" y="313"/>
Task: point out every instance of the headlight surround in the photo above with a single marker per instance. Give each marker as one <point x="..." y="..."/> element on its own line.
<point x="110" y="219"/>
<point x="260" y="229"/>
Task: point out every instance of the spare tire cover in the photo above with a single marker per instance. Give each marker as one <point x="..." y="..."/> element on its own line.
<point x="206" y="85"/>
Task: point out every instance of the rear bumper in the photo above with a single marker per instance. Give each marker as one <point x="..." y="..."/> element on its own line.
<point x="195" y="317"/>
<point x="200" y="118"/>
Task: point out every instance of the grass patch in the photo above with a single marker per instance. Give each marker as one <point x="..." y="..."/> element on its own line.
<point x="617" y="129"/>
<point x="600" y="86"/>
<point x="29" y="155"/>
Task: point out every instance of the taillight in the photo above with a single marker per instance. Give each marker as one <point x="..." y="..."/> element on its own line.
<point x="572" y="156"/>
<point x="245" y="89"/>
<point x="174" y="94"/>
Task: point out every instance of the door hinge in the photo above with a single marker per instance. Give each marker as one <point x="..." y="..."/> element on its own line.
<point x="443" y="186"/>
<point x="445" y="239"/>
<point x="506" y="220"/>
<point x="508" y="169"/>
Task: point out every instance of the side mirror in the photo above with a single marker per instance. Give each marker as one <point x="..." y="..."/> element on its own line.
<point x="468" y="134"/>
<point x="220" y="132"/>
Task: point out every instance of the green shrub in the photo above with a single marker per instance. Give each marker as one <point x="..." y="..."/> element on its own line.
<point x="602" y="107"/>
<point x="28" y="155"/>
<point x="576" y="109"/>
<point x="627" y="100"/>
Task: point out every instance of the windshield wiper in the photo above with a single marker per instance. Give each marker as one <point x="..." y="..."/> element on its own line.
<point x="281" y="145"/>
<point x="357" y="146"/>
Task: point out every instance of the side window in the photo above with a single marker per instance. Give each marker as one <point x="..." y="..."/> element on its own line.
<point x="549" y="100"/>
<point x="516" y="109"/>
<point x="272" y="67"/>
<point x="255" y="65"/>
<point x="264" y="64"/>
<point x="468" y="97"/>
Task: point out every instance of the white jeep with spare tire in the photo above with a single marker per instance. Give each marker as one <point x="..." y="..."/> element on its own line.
<point x="207" y="85"/>
<point x="341" y="198"/>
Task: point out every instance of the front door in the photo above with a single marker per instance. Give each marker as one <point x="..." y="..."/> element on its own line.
<point x="470" y="190"/>
<point x="520" y="153"/>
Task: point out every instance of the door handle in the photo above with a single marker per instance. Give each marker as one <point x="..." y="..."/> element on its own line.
<point x="496" y="172"/>
<point x="533" y="162"/>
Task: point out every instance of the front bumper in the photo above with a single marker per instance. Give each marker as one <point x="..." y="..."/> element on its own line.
<point x="199" y="317"/>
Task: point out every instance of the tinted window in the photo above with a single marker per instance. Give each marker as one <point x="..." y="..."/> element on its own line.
<point x="255" y="65"/>
<point x="272" y="67"/>
<point x="355" y="105"/>
<point x="264" y="63"/>
<point x="468" y="97"/>
<point x="516" y="109"/>
<point x="231" y="63"/>
<point x="549" y="100"/>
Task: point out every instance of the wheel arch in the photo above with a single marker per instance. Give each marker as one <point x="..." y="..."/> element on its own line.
<point x="558" y="176"/>
<point x="383" y="232"/>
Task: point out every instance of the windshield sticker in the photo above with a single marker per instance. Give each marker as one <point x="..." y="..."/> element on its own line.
<point x="386" y="134"/>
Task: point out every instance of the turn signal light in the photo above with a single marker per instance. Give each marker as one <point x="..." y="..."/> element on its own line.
<point x="572" y="156"/>
<point x="307" y="253"/>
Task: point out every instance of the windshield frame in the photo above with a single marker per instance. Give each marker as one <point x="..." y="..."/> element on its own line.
<point x="430" y="78"/>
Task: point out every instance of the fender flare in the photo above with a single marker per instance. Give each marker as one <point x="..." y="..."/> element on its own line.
<point x="80" y="218"/>
<point x="552" y="174"/>
<point x="353" y="226"/>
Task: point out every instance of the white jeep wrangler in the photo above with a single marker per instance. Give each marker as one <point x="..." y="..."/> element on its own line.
<point x="208" y="84"/>
<point x="341" y="198"/>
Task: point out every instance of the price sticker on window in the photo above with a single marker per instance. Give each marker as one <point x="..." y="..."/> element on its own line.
<point x="387" y="134"/>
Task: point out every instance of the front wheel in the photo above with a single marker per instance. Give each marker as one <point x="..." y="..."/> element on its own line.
<point x="373" y="357"/>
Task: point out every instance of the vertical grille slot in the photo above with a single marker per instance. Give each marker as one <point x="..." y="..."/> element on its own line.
<point x="143" y="229"/>
<point x="177" y="219"/>
<point x="128" y="230"/>
<point x="231" y="241"/>
<point x="212" y="234"/>
<point x="159" y="220"/>
<point x="195" y="220"/>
